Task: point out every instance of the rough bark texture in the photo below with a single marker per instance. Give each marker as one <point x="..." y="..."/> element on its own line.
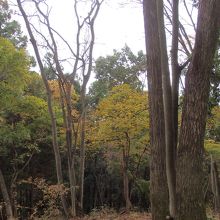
<point x="158" y="181"/>
<point x="191" y="141"/>
<point x="6" y="198"/>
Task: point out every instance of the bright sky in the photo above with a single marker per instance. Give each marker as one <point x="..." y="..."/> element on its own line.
<point x="115" y="26"/>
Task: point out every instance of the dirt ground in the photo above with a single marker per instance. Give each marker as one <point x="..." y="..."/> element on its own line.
<point x="116" y="216"/>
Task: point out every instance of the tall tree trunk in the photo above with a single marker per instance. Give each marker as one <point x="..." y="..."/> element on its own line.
<point x="176" y="71"/>
<point x="6" y="198"/>
<point x="168" y="112"/>
<point x="190" y="177"/>
<point x="158" y="180"/>
<point x="50" y="108"/>
<point x="82" y="145"/>
<point x="65" y="100"/>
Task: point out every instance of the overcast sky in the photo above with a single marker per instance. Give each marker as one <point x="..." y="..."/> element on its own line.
<point x="115" y="26"/>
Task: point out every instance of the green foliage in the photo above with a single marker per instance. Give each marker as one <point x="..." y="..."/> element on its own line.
<point x="213" y="124"/>
<point x="35" y="86"/>
<point x="123" y="67"/>
<point x="214" y="95"/>
<point x="213" y="148"/>
<point x="14" y="66"/>
<point x="23" y="127"/>
<point x="24" y="121"/>
<point x="9" y="28"/>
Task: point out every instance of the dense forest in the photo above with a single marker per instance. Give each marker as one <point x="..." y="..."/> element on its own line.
<point x="116" y="145"/>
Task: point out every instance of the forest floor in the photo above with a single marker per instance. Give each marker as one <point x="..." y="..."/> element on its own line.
<point x="117" y="216"/>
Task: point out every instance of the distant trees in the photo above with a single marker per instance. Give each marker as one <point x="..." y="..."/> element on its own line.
<point x="121" y="67"/>
<point x="9" y="28"/>
<point x="190" y="201"/>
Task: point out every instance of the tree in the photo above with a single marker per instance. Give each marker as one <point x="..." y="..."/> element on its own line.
<point x="158" y="182"/>
<point x="15" y="133"/>
<point x="191" y="144"/>
<point x="9" y="28"/>
<point x="121" y="67"/>
<point x="82" y="57"/>
<point x="122" y="122"/>
<point x="191" y="138"/>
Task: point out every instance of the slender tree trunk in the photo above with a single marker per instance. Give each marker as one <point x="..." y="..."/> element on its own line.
<point x="128" y="204"/>
<point x="190" y="177"/>
<point x="168" y="112"/>
<point x="82" y="145"/>
<point x="215" y="185"/>
<point x="13" y="199"/>
<point x="175" y="71"/>
<point x="65" y="98"/>
<point x="6" y="198"/>
<point x="50" y="107"/>
<point x="158" y="180"/>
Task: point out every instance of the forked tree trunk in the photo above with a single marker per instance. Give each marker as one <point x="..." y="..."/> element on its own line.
<point x="191" y="141"/>
<point x="6" y="198"/>
<point x="158" y="180"/>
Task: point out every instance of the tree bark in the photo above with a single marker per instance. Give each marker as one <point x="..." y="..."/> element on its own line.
<point x="82" y="146"/>
<point x="168" y="112"/>
<point x="215" y="185"/>
<point x="158" y="180"/>
<point x="176" y="71"/>
<point x="191" y="204"/>
<point x="128" y="204"/>
<point x="6" y="198"/>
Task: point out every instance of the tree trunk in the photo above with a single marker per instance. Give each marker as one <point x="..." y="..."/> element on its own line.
<point x="128" y="204"/>
<point x="6" y="198"/>
<point x="168" y="112"/>
<point x="65" y="100"/>
<point x="215" y="185"/>
<point x="50" y="108"/>
<point x="176" y="71"/>
<point x="190" y="179"/>
<point x="158" y="180"/>
<point x="82" y="145"/>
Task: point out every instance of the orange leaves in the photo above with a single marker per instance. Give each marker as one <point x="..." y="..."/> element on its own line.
<point x="62" y="91"/>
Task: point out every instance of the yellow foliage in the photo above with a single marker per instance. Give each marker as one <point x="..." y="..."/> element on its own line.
<point x="123" y="112"/>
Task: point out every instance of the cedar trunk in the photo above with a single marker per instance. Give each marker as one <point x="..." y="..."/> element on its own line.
<point x="158" y="181"/>
<point x="190" y="176"/>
